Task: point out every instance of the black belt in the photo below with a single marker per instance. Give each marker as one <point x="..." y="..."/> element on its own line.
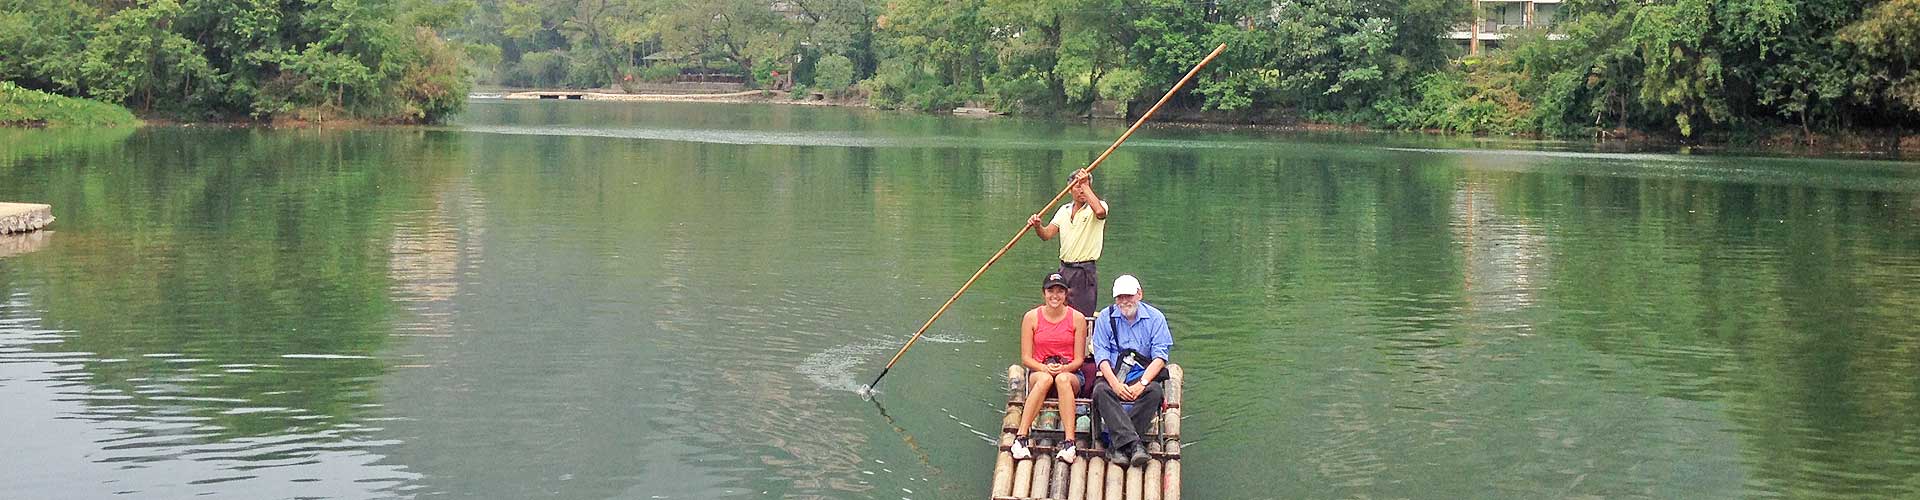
<point x="1084" y="263"/>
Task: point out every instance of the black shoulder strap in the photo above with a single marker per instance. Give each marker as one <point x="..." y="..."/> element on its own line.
<point x="1113" y="326"/>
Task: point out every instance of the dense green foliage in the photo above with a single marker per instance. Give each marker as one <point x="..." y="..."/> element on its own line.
<point x="1679" y="67"/>
<point x="1694" y="66"/>
<point x="19" y="106"/>
<point x="1682" y="67"/>
<point x="313" y="59"/>
<point x="833" y="73"/>
<point x="598" y="43"/>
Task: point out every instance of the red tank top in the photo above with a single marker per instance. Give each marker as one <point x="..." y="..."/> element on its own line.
<point x="1052" y="339"/>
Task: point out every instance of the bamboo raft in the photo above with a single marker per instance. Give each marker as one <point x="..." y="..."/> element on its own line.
<point x="1089" y="477"/>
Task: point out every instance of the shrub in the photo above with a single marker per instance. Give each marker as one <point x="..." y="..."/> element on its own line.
<point x="899" y="84"/>
<point x="1122" y="84"/>
<point x="584" y="71"/>
<point x="22" y="106"/>
<point x="435" y="85"/>
<point x="833" y="73"/>
<point x="660" y="73"/>
<point x="762" y="76"/>
<point x="1015" y="93"/>
<point x="1478" y="100"/>
<point x="543" y="69"/>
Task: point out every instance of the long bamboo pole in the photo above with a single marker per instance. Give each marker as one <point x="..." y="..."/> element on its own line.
<point x="868" y="389"/>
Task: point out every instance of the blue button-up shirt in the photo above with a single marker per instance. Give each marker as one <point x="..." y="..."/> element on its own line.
<point x="1146" y="333"/>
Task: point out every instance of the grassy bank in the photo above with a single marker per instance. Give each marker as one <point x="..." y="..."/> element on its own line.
<point x="21" y="107"/>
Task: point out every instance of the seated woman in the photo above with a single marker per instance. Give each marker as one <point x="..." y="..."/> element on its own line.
<point x="1053" y="341"/>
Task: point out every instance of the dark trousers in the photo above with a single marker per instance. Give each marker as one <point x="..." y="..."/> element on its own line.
<point x="1123" y="427"/>
<point x="1083" y="286"/>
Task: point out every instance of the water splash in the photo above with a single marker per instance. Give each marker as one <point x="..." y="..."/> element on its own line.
<point x="833" y="369"/>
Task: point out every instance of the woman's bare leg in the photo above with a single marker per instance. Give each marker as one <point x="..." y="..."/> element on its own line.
<point x="1037" y="385"/>
<point x="1068" y="384"/>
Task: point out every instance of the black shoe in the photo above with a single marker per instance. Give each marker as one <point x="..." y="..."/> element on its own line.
<point x="1140" y="457"/>
<point x="1115" y="456"/>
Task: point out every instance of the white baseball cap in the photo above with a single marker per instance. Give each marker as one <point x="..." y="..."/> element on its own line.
<point x="1126" y="285"/>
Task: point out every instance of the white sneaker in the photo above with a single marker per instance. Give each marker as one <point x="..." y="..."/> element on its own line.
<point x="1020" y="451"/>
<point x="1067" y="453"/>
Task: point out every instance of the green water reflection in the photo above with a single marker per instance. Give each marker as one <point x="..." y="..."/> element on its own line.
<point x="654" y="300"/>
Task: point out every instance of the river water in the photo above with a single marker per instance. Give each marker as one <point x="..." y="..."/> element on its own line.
<point x="593" y="300"/>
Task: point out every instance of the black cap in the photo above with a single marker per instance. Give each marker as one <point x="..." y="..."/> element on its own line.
<point x="1054" y="280"/>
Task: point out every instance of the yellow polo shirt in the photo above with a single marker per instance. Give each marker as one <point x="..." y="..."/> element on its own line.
<point x="1080" y="232"/>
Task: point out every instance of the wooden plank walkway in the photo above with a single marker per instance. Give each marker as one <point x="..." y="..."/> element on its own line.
<point x="23" y="217"/>
<point x="1089" y="477"/>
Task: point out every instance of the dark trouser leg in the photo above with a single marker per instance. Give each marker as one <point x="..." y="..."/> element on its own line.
<point x="1146" y="406"/>
<point x="1083" y="286"/>
<point x="1123" y="427"/>
<point x="1113" y="419"/>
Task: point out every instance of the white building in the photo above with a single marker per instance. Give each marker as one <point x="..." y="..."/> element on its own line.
<point x="1497" y="18"/>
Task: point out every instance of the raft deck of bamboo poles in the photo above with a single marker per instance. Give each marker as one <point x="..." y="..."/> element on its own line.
<point x="1089" y="477"/>
<point x="23" y="217"/>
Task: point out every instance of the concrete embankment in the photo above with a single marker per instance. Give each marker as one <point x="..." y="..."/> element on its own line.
<point x="23" y="217"/>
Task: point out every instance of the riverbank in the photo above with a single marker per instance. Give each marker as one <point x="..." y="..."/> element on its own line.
<point x="20" y="107"/>
<point x="23" y="107"/>
<point x="671" y="93"/>
<point x="1774" y="140"/>
<point x="1777" y="141"/>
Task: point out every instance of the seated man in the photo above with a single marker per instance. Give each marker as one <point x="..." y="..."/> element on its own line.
<point x="1130" y="342"/>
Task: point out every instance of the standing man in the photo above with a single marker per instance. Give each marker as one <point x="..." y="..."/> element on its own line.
<point x="1130" y="342"/>
<point x="1081" y="225"/>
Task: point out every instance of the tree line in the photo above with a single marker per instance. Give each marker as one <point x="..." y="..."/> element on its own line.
<point x="227" y="59"/>
<point x="1678" y="67"/>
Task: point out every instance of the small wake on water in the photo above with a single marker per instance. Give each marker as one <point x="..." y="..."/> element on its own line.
<point x="951" y="339"/>
<point x="834" y="369"/>
<point x="839" y="368"/>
